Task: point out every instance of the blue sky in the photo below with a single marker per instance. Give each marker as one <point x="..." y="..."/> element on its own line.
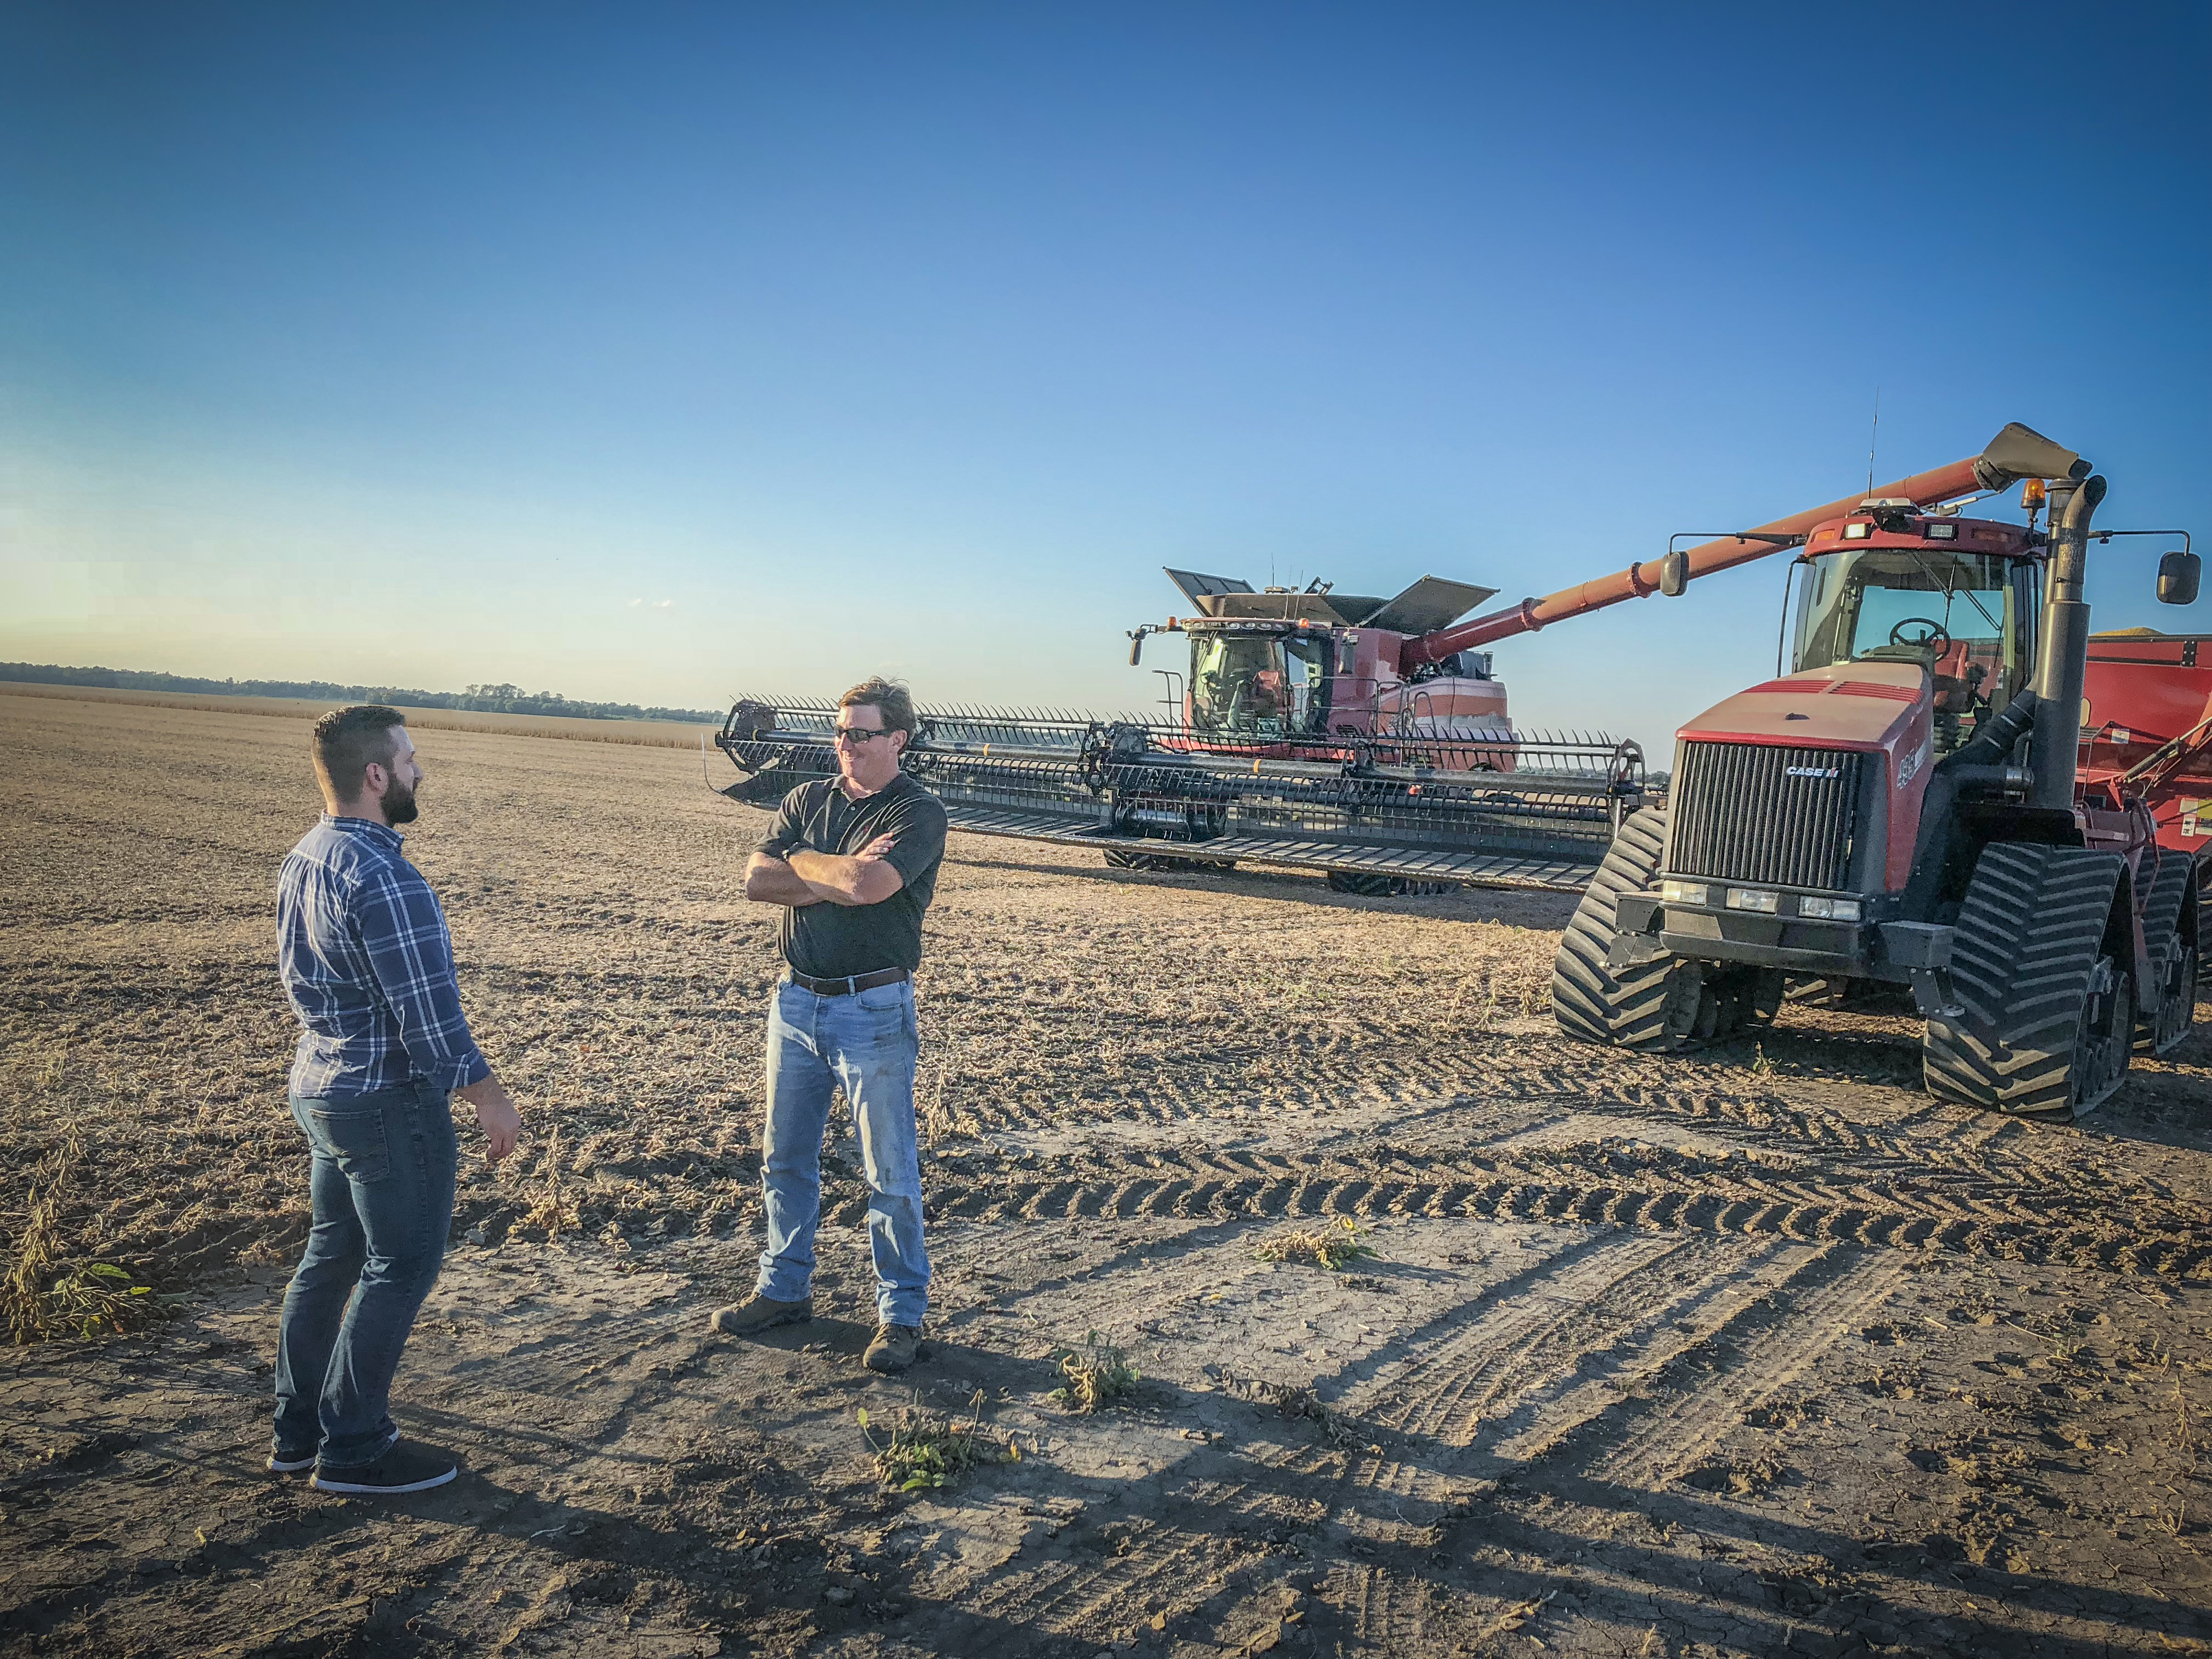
<point x="658" y="353"/>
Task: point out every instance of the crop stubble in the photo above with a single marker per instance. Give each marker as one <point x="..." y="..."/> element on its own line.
<point x="1713" y="1354"/>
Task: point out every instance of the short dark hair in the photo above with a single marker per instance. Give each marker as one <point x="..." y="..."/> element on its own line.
<point x="347" y="739"/>
<point x="889" y="698"/>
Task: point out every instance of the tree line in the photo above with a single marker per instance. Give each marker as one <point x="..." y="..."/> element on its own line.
<point x="477" y="699"/>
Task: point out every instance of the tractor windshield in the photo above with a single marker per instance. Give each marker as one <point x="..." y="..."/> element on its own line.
<point x="1263" y="685"/>
<point x="1960" y="616"/>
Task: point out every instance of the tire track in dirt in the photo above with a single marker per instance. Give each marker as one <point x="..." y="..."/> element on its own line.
<point x="1155" y="1565"/>
<point x="1377" y="1611"/>
<point x="1192" y="1551"/>
<point x="1427" y="1394"/>
<point x="1674" y="1437"/>
<point x="2050" y="1226"/>
<point x="1742" y="1308"/>
<point x="1618" y="1316"/>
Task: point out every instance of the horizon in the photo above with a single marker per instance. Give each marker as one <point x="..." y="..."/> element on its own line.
<point x="758" y="351"/>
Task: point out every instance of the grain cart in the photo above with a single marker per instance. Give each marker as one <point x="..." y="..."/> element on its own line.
<point x="1906" y="805"/>
<point x="2147" y="723"/>
<point x="1314" y="730"/>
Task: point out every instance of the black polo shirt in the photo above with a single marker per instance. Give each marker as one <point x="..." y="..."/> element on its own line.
<point x="830" y="941"/>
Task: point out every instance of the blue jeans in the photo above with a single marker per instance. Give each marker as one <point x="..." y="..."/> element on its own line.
<point x="866" y="1043"/>
<point x="383" y="1191"/>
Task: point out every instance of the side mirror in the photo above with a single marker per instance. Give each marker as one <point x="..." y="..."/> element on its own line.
<point x="1674" y="574"/>
<point x="1136" y="645"/>
<point x="2178" y="573"/>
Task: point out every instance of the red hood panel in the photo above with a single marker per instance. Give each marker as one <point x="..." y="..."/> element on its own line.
<point x="1860" y="705"/>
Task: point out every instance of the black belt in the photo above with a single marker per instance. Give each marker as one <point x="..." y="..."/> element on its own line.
<point x="851" y="983"/>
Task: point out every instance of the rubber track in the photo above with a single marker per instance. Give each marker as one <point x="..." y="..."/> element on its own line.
<point x="2026" y="945"/>
<point x="2161" y="925"/>
<point x="1626" y="1007"/>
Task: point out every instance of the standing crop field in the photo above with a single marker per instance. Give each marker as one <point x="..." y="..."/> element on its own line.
<point x="1299" y="1290"/>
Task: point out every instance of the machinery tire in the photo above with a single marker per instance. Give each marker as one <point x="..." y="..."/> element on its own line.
<point x="2165" y="1014"/>
<point x="1658" y="1005"/>
<point x="2036" y="1023"/>
<point x="1163" y="863"/>
<point x="1367" y="884"/>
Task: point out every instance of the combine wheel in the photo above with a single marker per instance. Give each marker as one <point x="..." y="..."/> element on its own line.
<point x="1657" y="1004"/>
<point x="2044" y="1006"/>
<point x="2166" y="1015"/>
<point x="1368" y="885"/>
<point x="1118" y="860"/>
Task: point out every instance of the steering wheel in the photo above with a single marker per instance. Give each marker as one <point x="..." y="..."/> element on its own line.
<point x="1935" y="631"/>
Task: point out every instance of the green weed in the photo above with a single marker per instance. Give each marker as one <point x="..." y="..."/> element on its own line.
<point x="48" y="1294"/>
<point x="924" y="1450"/>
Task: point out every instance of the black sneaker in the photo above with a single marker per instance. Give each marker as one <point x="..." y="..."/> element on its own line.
<point x="286" y="1460"/>
<point x="759" y="1313"/>
<point x="402" y="1469"/>
<point x="894" y="1349"/>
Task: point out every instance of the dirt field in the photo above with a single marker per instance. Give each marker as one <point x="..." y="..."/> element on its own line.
<point x="1752" y="1352"/>
<point x="660" y="734"/>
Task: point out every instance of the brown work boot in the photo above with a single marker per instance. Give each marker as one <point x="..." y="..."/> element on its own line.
<point x="758" y="1313"/>
<point x="894" y="1349"/>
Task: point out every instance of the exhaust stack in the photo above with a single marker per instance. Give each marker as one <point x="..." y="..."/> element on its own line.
<point x="2062" y="659"/>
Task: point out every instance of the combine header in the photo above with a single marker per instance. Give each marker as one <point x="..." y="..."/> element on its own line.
<point x="1314" y="730"/>
<point x="1910" y="803"/>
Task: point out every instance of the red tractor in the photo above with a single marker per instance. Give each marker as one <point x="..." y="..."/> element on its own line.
<point x="1907" y="804"/>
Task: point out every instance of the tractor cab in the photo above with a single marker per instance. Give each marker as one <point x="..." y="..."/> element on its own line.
<point x="1957" y="597"/>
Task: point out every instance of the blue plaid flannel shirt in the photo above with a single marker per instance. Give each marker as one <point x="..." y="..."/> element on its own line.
<point x="367" y="962"/>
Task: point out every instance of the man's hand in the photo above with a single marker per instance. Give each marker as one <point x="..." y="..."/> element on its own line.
<point x="495" y="1115"/>
<point x="769" y="880"/>
<point x="876" y="849"/>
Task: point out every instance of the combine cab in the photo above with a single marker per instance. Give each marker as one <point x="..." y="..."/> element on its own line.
<point x="1313" y="730"/>
<point x="1909" y="804"/>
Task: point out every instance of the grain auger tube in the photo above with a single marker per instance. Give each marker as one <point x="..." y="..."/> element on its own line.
<point x="1906" y="806"/>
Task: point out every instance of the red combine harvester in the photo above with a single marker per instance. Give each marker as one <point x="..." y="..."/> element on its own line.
<point x="1909" y="804"/>
<point x="1290" y="669"/>
<point x="1314" y="730"/>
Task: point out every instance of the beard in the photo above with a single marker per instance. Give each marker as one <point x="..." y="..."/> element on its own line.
<point x="399" y="803"/>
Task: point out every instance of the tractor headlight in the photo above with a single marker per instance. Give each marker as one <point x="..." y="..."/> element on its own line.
<point x="1682" y="892"/>
<point x="1829" y="909"/>
<point x="1751" y="898"/>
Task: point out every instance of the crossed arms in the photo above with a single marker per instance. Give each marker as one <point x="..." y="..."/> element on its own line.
<point x="808" y="877"/>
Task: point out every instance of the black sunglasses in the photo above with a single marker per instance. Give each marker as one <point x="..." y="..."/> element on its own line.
<point x="860" y="733"/>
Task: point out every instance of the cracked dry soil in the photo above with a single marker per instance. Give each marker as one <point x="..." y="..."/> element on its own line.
<point x="1753" y="1352"/>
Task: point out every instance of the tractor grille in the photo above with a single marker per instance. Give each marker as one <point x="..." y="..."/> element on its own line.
<point x="1748" y="811"/>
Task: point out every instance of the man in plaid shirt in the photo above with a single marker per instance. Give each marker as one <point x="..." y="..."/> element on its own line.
<point x="368" y="965"/>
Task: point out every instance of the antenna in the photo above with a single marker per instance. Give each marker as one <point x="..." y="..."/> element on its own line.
<point x="1873" y="438"/>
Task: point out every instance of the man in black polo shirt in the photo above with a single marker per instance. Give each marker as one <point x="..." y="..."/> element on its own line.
<point x="853" y="860"/>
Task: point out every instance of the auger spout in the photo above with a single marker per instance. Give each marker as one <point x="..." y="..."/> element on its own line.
<point x="2014" y="454"/>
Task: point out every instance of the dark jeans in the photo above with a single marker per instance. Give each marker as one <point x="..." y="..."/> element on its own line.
<point x="383" y="1190"/>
